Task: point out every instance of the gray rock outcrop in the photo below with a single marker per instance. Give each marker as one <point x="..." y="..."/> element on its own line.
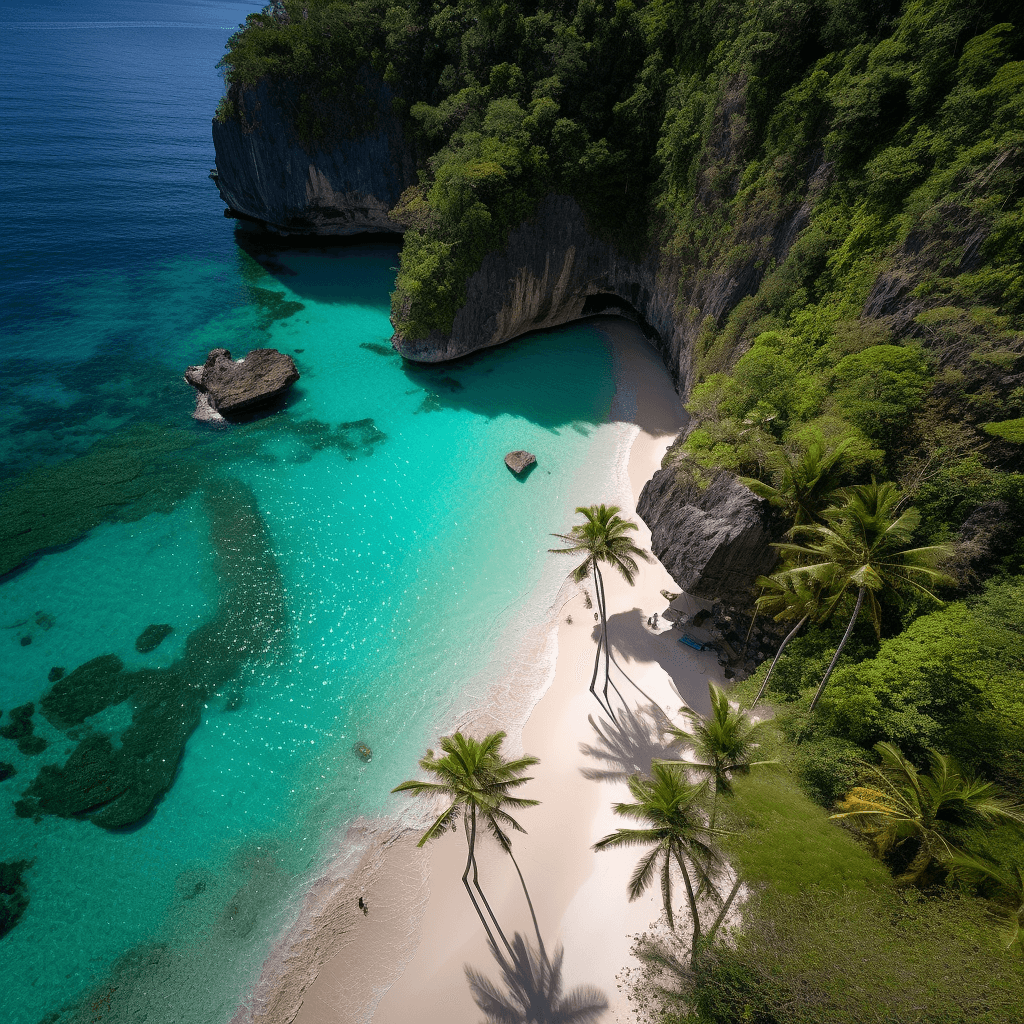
<point x="229" y="388"/>
<point x="551" y="271"/>
<point x="519" y="461"/>
<point x="265" y="174"/>
<point x="713" y="543"/>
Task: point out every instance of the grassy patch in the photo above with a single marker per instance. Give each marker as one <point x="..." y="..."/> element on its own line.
<point x="785" y="841"/>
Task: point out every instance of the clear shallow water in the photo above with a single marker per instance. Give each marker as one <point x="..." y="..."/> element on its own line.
<point x="377" y="568"/>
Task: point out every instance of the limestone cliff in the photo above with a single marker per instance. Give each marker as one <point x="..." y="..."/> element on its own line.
<point x="713" y="543"/>
<point x="552" y="269"/>
<point x="266" y="174"/>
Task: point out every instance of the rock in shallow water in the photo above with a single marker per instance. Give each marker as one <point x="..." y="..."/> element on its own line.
<point x="519" y="461"/>
<point x="228" y="388"/>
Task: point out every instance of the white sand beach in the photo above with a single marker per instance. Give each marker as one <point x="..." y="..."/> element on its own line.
<point x="402" y="963"/>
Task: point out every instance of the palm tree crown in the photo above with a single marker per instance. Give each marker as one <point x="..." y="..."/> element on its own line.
<point x="670" y="809"/>
<point x="722" y="743"/>
<point x="476" y="780"/>
<point x="924" y="809"/>
<point x="602" y="538"/>
<point x="863" y="547"/>
<point x="803" y="484"/>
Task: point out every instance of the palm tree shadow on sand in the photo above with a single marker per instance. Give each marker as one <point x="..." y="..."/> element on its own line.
<point x="531" y="990"/>
<point x="629" y="746"/>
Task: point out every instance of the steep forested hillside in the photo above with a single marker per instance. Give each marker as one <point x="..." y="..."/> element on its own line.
<point x="835" y="190"/>
<point x="891" y="135"/>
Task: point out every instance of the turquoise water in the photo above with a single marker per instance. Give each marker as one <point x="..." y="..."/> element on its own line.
<point x="403" y="553"/>
<point x="356" y="568"/>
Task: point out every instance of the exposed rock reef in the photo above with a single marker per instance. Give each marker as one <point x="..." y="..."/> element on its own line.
<point x="265" y="173"/>
<point x="712" y="542"/>
<point x="228" y="388"/>
<point x="519" y="461"/>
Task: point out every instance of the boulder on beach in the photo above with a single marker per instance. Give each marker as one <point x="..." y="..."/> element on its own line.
<point x="229" y="388"/>
<point x="519" y="461"/>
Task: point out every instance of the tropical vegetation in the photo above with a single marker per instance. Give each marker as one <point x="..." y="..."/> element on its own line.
<point x="477" y="782"/>
<point x="719" y="746"/>
<point x="915" y="818"/>
<point x="602" y="538"/>
<point x="671" y="813"/>
<point x="836" y="186"/>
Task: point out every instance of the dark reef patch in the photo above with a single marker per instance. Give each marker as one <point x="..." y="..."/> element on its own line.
<point x="380" y="350"/>
<point x="55" y="673"/>
<point x="7" y="771"/>
<point x="142" y="469"/>
<point x="117" y="785"/>
<point x="152" y="637"/>
<point x="13" y="893"/>
<point x="273" y="306"/>
<point x="20" y="722"/>
<point x="20" y="729"/>
<point x="86" y="691"/>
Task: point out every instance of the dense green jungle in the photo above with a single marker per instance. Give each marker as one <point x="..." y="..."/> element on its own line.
<point x="884" y="352"/>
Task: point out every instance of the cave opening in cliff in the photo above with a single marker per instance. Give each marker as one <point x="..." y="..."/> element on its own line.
<point x="609" y="304"/>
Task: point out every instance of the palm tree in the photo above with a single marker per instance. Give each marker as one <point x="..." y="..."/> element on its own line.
<point x="794" y="596"/>
<point x="533" y="991"/>
<point x="671" y="810"/>
<point x="1002" y="885"/>
<point x="602" y="538"/>
<point x="722" y="744"/>
<point x="864" y="546"/>
<point x="802" y="485"/>
<point x="477" y="780"/>
<point x="922" y="809"/>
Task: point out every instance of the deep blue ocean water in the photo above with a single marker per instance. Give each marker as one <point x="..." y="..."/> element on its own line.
<point x="353" y="569"/>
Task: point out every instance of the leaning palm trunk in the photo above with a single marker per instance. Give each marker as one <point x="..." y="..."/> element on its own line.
<point x="603" y="609"/>
<point x="471" y="863"/>
<point x="839" y="650"/>
<point x="692" y="899"/>
<point x="778" y="654"/>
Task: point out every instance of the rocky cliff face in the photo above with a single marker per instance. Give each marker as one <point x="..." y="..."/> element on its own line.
<point x="265" y="174"/>
<point x="713" y="544"/>
<point x="553" y="269"/>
